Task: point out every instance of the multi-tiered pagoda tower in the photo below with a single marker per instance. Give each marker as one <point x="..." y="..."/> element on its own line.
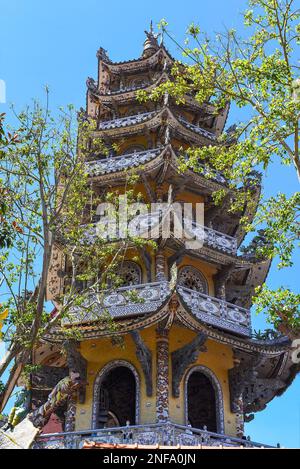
<point x="190" y="371"/>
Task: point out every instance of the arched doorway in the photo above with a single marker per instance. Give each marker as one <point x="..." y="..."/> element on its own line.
<point x="204" y="401"/>
<point x="116" y="396"/>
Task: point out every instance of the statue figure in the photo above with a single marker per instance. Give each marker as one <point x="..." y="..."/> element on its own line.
<point x="167" y="135"/>
<point x="59" y="394"/>
<point x="3" y="316"/>
<point x="19" y="410"/>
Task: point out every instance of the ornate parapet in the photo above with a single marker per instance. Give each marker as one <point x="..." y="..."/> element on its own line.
<point x="216" y="240"/>
<point x="162" y="434"/>
<point x="197" y="129"/>
<point x="125" y="301"/>
<point x="217" y="312"/>
<point x="121" y="163"/>
<point x="183" y="357"/>
<point x="126" y="121"/>
<point x="114" y="164"/>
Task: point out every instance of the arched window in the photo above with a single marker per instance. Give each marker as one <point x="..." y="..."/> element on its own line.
<point x="116" y="395"/>
<point x="204" y="405"/>
<point x="131" y="273"/>
<point x="192" y="278"/>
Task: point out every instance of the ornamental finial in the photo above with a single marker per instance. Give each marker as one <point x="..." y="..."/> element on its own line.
<point x="150" y="45"/>
<point x="151" y="27"/>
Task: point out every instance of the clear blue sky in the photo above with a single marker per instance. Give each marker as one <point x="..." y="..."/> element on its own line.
<point x="55" y="42"/>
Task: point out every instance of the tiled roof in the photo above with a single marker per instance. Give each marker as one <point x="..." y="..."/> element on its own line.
<point x="125" y="121"/>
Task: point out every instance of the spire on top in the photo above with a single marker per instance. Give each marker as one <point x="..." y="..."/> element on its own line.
<point x="151" y="27"/>
<point x="151" y="44"/>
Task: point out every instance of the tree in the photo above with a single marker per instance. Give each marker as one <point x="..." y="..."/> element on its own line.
<point x="51" y="204"/>
<point x="260" y="74"/>
<point x="6" y="230"/>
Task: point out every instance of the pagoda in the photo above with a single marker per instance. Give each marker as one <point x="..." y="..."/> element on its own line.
<point x="190" y="372"/>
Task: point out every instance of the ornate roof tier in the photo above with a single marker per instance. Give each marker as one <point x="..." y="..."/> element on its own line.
<point x="161" y="56"/>
<point x="146" y="299"/>
<point x="263" y="368"/>
<point x="259" y="378"/>
<point x="269" y="348"/>
<point x="123" y="325"/>
<point x="120" y="127"/>
<point x="106" y="169"/>
<point x="221" y="321"/>
<point x="127" y="94"/>
<point x="124" y="93"/>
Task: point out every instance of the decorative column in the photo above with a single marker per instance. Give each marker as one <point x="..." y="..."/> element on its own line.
<point x="162" y="375"/>
<point x="70" y="414"/>
<point x="237" y="387"/>
<point x="239" y="418"/>
<point x="160" y="266"/>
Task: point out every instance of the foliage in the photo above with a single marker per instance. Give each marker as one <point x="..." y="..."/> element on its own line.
<point x="51" y="201"/>
<point x="282" y="306"/>
<point x="7" y="230"/>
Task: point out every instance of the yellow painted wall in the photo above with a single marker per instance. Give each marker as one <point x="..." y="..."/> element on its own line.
<point x="98" y="353"/>
<point x="123" y="144"/>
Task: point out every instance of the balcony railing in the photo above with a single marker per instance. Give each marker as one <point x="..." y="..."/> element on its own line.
<point x="148" y="298"/>
<point x="125" y="301"/>
<point x="147" y="225"/>
<point x="127" y="89"/>
<point x="125" y="121"/>
<point x="165" y="434"/>
<point x="197" y="129"/>
<point x="120" y="163"/>
<point x="217" y="312"/>
<point x="216" y="239"/>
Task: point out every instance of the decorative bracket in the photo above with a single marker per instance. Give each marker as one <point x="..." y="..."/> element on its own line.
<point x="242" y="374"/>
<point x="185" y="356"/>
<point x="144" y="355"/>
<point x="247" y="391"/>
